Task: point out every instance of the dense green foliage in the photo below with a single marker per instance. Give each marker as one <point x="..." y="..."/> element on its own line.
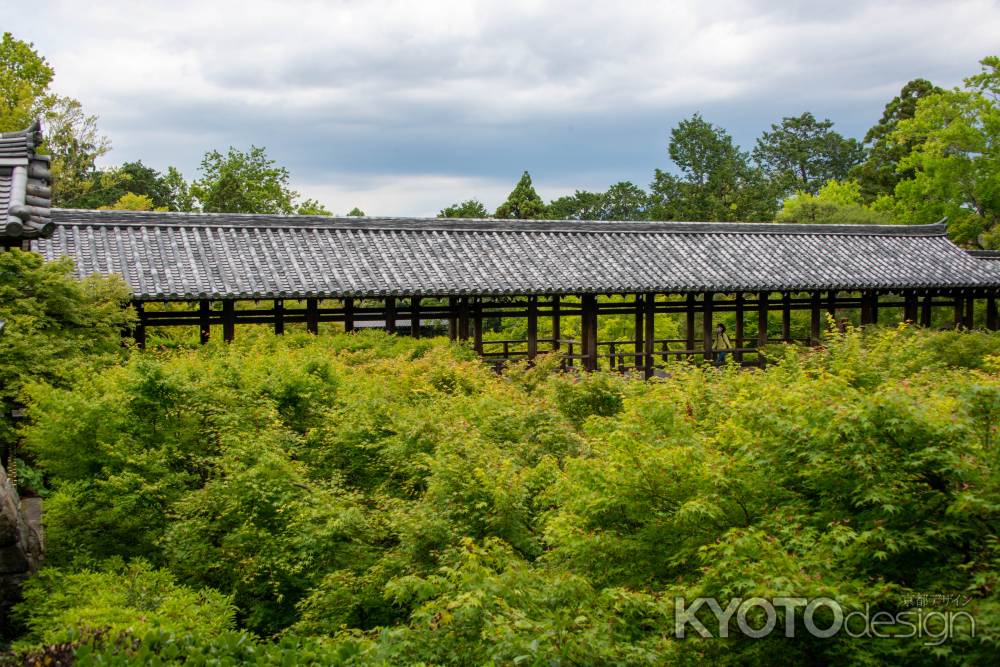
<point x="243" y="182"/>
<point x="55" y="327"/>
<point x="367" y="499"/>
<point x="470" y="208"/>
<point x="836" y="203"/>
<point x="24" y="78"/>
<point x="955" y="160"/>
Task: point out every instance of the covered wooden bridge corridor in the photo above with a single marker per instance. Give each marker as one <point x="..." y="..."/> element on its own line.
<point x="559" y="278"/>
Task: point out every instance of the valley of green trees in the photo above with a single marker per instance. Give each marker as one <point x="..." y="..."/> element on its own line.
<point x="367" y="499"/>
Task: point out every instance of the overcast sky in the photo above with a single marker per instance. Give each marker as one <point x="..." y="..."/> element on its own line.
<point x="402" y="108"/>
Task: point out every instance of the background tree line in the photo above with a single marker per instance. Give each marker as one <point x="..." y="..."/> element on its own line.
<point x="932" y="154"/>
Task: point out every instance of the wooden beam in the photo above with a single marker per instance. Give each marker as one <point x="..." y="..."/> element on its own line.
<point x="706" y="323"/>
<point x="279" y="316"/>
<point x="348" y="314"/>
<point x="312" y="316"/>
<point x="532" y="327"/>
<point x="228" y="320"/>
<point x="415" y="317"/>
<point x="204" y="323"/>
<point x="649" y="303"/>
<point x="786" y="317"/>
<point x="740" y="333"/>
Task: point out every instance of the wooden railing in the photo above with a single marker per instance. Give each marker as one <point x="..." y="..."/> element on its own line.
<point x="619" y="355"/>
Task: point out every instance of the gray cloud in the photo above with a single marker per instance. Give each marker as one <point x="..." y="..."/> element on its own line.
<point x="436" y="97"/>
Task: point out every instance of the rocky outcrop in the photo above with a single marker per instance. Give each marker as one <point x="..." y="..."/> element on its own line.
<point x="21" y="545"/>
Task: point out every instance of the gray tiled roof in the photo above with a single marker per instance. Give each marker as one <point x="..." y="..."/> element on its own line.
<point x="25" y="195"/>
<point x="178" y="256"/>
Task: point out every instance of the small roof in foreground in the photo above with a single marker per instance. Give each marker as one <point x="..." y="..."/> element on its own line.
<point x="186" y="256"/>
<point x="25" y="195"/>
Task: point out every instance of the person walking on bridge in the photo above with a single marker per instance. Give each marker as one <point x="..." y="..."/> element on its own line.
<point x="722" y="344"/>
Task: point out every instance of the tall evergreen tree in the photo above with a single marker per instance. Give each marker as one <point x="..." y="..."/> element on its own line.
<point x="878" y="174"/>
<point x="523" y="203"/>
<point x="716" y="179"/>
<point x="802" y="153"/>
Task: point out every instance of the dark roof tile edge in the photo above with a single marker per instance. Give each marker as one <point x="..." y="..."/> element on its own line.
<point x="87" y="217"/>
<point x="985" y="254"/>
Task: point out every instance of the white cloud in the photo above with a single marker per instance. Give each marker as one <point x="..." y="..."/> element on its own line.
<point x="413" y="195"/>
<point x="401" y="92"/>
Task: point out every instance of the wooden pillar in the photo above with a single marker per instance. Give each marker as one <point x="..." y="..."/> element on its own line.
<point x="477" y="341"/>
<point x="390" y="314"/>
<point x="970" y="312"/>
<point x="786" y="317"/>
<point x="348" y="314"/>
<point x="639" y="330"/>
<point x="415" y="317"/>
<point x="706" y="323"/>
<point x="312" y="316"/>
<point x="762" y="299"/>
<point x="204" y="324"/>
<point x="649" y="304"/>
<point x="740" y="333"/>
<point x="532" y="327"/>
<point x="866" y="308"/>
<point x="874" y="306"/>
<point x="556" y="323"/>
<point x="815" y="319"/>
<point x="228" y="320"/>
<point x="452" y="318"/>
<point x="910" y="306"/>
<point x="279" y="316"/>
<point x="992" y="322"/>
<point x="959" y="309"/>
<point x="925" y="310"/>
<point x="689" y="314"/>
<point x="588" y="344"/>
<point x="463" y="318"/>
<point x="139" y="333"/>
<point x="831" y="303"/>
